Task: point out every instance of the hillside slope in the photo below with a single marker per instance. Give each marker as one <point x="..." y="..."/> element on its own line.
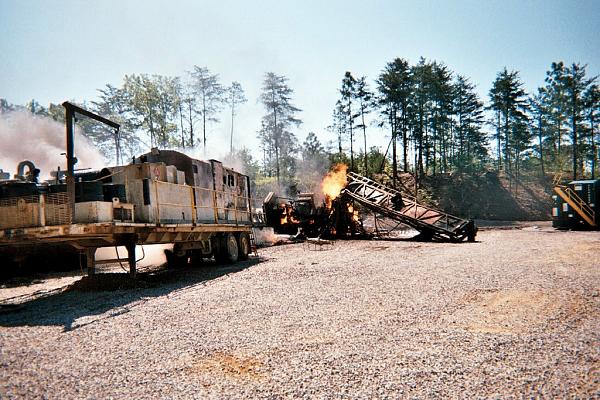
<point x="491" y="196"/>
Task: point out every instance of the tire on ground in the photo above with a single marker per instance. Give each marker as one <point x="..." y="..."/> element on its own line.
<point x="176" y="258"/>
<point x="227" y="251"/>
<point x="244" y="246"/>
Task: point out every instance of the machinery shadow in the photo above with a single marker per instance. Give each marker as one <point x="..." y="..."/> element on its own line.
<point x="103" y="296"/>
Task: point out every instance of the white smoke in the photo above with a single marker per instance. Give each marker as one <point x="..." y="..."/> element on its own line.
<point x="24" y="136"/>
<point x="147" y="255"/>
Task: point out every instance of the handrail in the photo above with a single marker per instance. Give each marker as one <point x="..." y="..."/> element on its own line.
<point x="557" y="179"/>
<point x="231" y="204"/>
<point x="577" y="203"/>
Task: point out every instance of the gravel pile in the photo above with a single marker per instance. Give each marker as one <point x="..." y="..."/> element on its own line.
<point x="515" y="315"/>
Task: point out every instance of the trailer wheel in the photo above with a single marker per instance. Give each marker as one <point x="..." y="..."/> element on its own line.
<point x="244" y="250"/>
<point x="228" y="249"/>
<point x="174" y="260"/>
<point x="196" y="258"/>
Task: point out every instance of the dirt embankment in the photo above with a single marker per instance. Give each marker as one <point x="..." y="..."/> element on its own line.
<point x="491" y="196"/>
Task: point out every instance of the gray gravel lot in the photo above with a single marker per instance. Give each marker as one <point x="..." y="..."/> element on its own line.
<point x="516" y="314"/>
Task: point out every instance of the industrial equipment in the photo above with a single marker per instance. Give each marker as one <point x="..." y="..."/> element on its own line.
<point x="432" y="224"/>
<point x="163" y="196"/>
<point x="288" y="216"/>
<point x="338" y="217"/>
<point x="576" y="204"/>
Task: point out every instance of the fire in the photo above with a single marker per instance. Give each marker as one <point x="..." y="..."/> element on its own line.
<point x="287" y="215"/>
<point x="353" y="212"/>
<point x="334" y="182"/>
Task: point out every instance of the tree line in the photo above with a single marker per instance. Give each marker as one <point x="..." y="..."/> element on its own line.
<point x="435" y="120"/>
<point x="438" y="123"/>
<point x="154" y="110"/>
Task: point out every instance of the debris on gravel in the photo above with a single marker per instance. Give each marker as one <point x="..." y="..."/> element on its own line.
<point x="516" y="314"/>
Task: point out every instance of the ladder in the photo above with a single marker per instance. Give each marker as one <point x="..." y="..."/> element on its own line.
<point x="577" y="204"/>
<point x="253" y="246"/>
<point x="393" y="204"/>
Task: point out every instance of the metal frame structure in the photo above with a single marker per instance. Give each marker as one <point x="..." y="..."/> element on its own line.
<point x="70" y="111"/>
<point x="577" y="204"/>
<point x="405" y="209"/>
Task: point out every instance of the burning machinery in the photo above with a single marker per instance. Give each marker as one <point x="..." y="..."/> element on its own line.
<point x="337" y="215"/>
<point x="307" y="218"/>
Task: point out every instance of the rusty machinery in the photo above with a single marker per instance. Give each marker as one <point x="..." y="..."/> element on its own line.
<point x="339" y="217"/>
<point x="162" y="197"/>
<point x="306" y="217"/>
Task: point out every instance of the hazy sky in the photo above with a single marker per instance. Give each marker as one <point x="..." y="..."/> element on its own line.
<point x="57" y="50"/>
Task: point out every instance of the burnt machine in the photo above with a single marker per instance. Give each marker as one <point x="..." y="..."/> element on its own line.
<point x="305" y="217"/>
<point x="338" y="217"/>
<point x="163" y="196"/>
<point x="287" y="216"/>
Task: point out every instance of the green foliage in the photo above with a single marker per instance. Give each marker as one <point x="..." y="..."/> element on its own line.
<point x="115" y="104"/>
<point x="313" y="165"/>
<point x="235" y="97"/>
<point x="345" y="104"/>
<point x="471" y="142"/>
<point x="566" y="115"/>
<point x="278" y="142"/>
<point x="435" y="119"/>
<point x="395" y="88"/>
<point x="509" y="100"/>
<point x="153" y="101"/>
<point x="210" y="95"/>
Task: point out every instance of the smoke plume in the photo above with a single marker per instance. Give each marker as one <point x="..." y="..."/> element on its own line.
<point x="24" y="136"/>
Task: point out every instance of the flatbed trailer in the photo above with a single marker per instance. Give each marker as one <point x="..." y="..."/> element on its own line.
<point x="87" y="238"/>
<point x="162" y="197"/>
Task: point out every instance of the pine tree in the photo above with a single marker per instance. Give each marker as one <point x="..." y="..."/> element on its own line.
<point x="555" y="103"/>
<point x="347" y="93"/>
<point x="441" y="95"/>
<point x="188" y="110"/>
<point x="471" y="146"/>
<point x="508" y="98"/>
<point x="210" y="96"/>
<point x="421" y="112"/>
<point x="364" y="98"/>
<point x="575" y="84"/>
<point x="276" y="138"/>
<point x="394" y="87"/>
<point x="538" y="107"/>
<point x="591" y="100"/>
<point x="235" y="97"/>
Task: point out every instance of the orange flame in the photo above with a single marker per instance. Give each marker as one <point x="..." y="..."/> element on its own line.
<point x="334" y="182"/>
<point x="353" y="212"/>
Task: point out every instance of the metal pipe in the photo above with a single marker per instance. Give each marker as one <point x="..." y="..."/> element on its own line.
<point x="70" y="178"/>
<point x="70" y="110"/>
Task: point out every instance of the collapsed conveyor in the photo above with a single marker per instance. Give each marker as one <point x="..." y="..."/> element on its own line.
<point x="391" y="203"/>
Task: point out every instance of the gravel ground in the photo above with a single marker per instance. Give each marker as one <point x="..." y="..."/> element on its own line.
<point x="516" y="314"/>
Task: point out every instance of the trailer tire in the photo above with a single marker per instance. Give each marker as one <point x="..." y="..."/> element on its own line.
<point x="174" y="260"/>
<point x="244" y="246"/>
<point x="228" y="249"/>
